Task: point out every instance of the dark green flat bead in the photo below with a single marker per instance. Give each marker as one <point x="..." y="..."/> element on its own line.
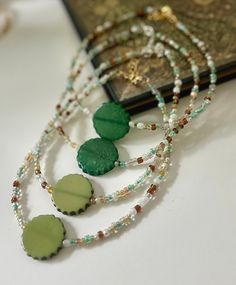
<point x="71" y="195"/>
<point x="111" y="121"/>
<point x="97" y="156"/>
<point x="43" y="236"/>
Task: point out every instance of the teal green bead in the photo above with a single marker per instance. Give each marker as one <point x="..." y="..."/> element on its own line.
<point x="88" y="239"/>
<point x="97" y="156"/>
<point x="111" y="121"/>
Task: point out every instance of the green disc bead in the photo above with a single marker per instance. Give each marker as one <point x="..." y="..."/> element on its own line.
<point x="72" y="194"/>
<point x="111" y="121"/>
<point x="97" y="156"/>
<point x="43" y="237"/>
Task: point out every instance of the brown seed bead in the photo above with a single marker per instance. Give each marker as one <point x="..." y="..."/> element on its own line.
<point x="188" y="111"/>
<point x="138" y="208"/>
<point x="158" y="155"/>
<point x="37" y="171"/>
<point x="58" y="107"/>
<point x="61" y="131"/>
<point x="176" y="101"/>
<point x="100" y="234"/>
<point x="16" y="183"/>
<point x="140" y="13"/>
<point x="44" y="184"/>
<point x="152" y="167"/>
<point x="185" y="121"/>
<point x="92" y="201"/>
<point x="175" y="130"/>
<point x="140" y="160"/>
<point x="152" y="189"/>
<point x="112" y="61"/>
<point x="153" y="127"/>
<point x="162" y="145"/>
<point x="94" y="36"/>
<point x="207" y="98"/>
<point x="14" y="199"/>
<point x="169" y="139"/>
<point x="181" y="125"/>
<point x="67" y="113"/>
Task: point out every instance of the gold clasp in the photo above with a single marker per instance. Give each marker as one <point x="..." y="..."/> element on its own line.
<point x="164" y="13"/>
<point x="132" y="74"/>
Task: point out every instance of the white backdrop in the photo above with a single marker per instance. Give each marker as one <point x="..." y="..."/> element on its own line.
<point x="186" y="237"/>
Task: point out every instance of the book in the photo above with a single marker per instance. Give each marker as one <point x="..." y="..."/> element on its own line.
<point x="213" y="21"/>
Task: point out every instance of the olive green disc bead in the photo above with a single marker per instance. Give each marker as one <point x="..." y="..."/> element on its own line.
<point x="72" y="194"/>
<point x="97" y="156"/>
<point x="111" y="121"/>
<point x="43" y="236"/>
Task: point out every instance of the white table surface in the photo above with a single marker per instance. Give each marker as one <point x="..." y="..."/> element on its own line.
<point x="186" y="237"/>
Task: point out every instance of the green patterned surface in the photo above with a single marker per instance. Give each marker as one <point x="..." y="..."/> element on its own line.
<point x="97" y="156"/>
<point x="111" y="121"/>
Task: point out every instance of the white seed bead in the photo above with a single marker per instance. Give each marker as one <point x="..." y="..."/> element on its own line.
<point x="133" y="212"/>
<point x="134" y="29"/>
<point x="167" y="52"/>
<point x="96" y="237"/>
<point x="149" y="196"/>
<point x="102" y="66"/>
<point x="106" y="233"/>
<point x="140" y="125"/>
<point x="66" y="243"/>
<point x="176" y="89"/>
<point x="178" y="82"/>
<point x="148" y="30"/>
<point x="165" y="118"/>
<point x="143" y="202"/>
<point x="57" y="124"/>
<point x="159" y="49"/>
<point x="107" y="24"/>
<point x="173" y="116"/>
<point x="99" y="29"/>
<point x="114" y="197"/>
<point x="193" y="95"/>
<point x="156" y="180"/>
<point x="86" y="111"/>
<point x="131" y="124"/>
<point x="149" y="9"/>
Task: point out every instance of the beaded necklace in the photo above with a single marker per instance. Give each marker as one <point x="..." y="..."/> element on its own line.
<point x="56" y="234"/>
